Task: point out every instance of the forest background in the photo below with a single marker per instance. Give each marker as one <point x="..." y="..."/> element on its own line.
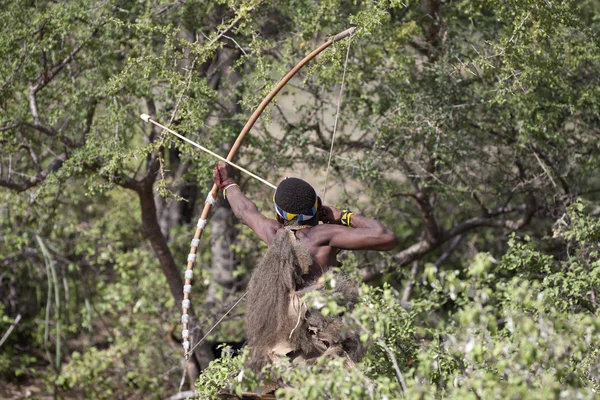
<point x="470" y="128"/>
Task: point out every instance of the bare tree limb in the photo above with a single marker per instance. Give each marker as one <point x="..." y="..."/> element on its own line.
<point x="10" y="329"/>
<point x="450" y="250"/>
<point x="33" y="156"/>
<point x="432" y="229"/>
<point x="34" y="180"/>
<point x="434" y="30"/>
<point x="89" y="120"/>
<point x="423" y="247"/>
<point x="33" y="105"/>
<point x="42" y="129"/>
<point x="183" y="395"/>
<point x="478" y="222"/>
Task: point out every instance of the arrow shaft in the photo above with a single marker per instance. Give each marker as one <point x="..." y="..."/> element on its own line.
<point x="212" y="153"/>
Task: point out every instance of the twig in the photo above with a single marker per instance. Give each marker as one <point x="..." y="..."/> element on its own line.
<point x="10" y="329"/>
<point x="236" y="43"/>
<point x="544" y="168"/>
<point x="183" y="374"/>
<point x="410" y="284"/>
<point x="175" y="110"/>
<point x="46" y="76"/>
<point x="399" y="376"/>
<point x="222" y="33"/>
<point x="547" y="161"/>
<point x="519" y="27"/>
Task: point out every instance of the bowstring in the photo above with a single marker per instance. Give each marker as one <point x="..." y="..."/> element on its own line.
<point x="335" y="123"/>
<point x="215" y="325"/>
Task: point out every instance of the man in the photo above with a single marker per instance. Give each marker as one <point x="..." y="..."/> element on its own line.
<point x="299" y="209"/>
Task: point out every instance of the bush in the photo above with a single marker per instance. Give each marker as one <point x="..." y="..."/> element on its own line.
<point x="524" y="326"/>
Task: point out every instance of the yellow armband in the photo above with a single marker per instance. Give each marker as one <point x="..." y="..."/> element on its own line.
<point x="346" y="218"/>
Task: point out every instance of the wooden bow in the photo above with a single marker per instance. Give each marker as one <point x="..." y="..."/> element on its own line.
<point x="212" y="196"/>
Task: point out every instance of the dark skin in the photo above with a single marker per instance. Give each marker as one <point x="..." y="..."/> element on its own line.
<point x="323" y="241"/>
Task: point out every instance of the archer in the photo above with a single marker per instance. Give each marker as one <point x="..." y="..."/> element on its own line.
<point x="299" y="210"/>
<point x="279" y="323"/>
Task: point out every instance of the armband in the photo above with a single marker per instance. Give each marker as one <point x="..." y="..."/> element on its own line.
<point x="227" y="187"/>
<point x="346" y="218"/>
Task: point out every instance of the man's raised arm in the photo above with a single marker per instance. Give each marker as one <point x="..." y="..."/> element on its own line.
<point x="243" y="208"/>
<point x="355" y="232"/>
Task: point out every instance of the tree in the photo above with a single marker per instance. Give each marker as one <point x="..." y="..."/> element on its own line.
<point x="460" y="124"/>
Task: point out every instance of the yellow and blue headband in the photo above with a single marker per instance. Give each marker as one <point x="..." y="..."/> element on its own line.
<point x="300" y="217"/>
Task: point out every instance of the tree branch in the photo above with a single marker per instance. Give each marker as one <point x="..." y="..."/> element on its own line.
<point x="423" y="247"/>
<point x="33" y="156"/>
<point x="450" y="250"/>
<point x="538" y="153"/>
<point x="54" y="165"/>
<point x="432" y="229"/>
<point x="10" y="329"/>
<point x="43" y="129"/>
<point x="89" y="120"/>
<point x="46" y="76"/>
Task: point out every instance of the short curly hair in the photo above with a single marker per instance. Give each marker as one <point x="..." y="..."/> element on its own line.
<point x="295" y="196"/>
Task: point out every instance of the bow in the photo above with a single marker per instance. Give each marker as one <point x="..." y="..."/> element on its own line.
<point x="212" y="195"/>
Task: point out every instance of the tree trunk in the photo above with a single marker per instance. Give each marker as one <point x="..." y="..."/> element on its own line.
<point x="223" y="228"/>
<point x="151" y="228"/>
<point x="223" y="233"/>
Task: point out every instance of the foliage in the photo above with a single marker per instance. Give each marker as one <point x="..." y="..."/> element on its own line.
<point x="469" y="128"/>
<point x="513" y="333"/>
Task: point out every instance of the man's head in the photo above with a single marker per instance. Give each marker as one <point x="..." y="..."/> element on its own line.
<point x="296" y="200"/>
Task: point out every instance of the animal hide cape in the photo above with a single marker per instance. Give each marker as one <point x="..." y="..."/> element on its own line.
<point x="279" y="323"/>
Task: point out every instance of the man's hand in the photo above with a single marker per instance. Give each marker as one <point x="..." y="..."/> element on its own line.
<point x="223" y="175"/>
<point x="330" y="215"/>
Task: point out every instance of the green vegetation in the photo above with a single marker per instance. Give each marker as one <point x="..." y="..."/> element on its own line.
<point x="470" y="128"/>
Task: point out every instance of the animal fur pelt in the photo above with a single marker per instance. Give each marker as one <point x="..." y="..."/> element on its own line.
<point x="330" y="330"/>
<point x="276" y="317"/>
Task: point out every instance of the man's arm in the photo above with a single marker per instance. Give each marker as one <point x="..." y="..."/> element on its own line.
<point x="243" y="208"/>
<point x="364" y="233"/>
<point x="247" y="212"/>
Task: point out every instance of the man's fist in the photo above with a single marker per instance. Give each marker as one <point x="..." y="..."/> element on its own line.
<point x="223" y="175"/>
<point x="330" y="215"/>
